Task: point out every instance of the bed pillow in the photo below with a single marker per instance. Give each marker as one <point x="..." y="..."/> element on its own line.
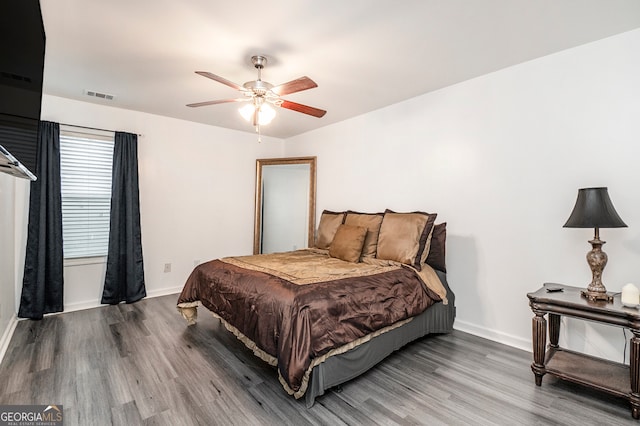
<point x="372" y="222"/>
<point x="436" y="256"/>
<point x="329" y="223"/>
<point x="405" y="237"/>
<point x="347" y="243"/>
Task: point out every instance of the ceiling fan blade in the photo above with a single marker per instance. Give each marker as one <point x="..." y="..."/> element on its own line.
<point x="305" y="109"/>
<point x="220" y="79"/>
<point x="293" y="86"/>
<point x="220" y="101"/>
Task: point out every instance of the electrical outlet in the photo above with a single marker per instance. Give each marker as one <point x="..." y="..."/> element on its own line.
<point x="167" y="267"/>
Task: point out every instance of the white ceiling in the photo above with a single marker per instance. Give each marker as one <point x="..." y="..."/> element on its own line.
<point x="364" y="54"/>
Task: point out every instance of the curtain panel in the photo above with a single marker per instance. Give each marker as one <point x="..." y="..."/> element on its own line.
<point x="124" y="280"/>
<point x="42" y="284"/>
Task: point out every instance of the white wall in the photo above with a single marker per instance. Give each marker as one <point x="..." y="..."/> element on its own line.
<point x="7" y="258"/>
<point x="12" y="235"/>
<point x="196" y="194"/>
<point x="500" y="158"/>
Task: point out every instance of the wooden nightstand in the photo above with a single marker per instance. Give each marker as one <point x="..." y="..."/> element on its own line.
<point x="612" y="377"/>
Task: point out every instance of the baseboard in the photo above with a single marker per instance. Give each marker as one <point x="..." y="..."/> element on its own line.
<point x="89" y="304"/>
<point x="80" y="306"/>
<point x="6" y="336"/>
<point x="496" y="336"/>
<point x="165" y="292"/>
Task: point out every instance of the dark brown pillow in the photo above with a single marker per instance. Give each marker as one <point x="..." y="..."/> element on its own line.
<point x="436" y="257"/>
<point x="405" y="237"/>
<point x="329" y="223"/>
<point x="347" y="243"/>
<point x="372" y="222"/>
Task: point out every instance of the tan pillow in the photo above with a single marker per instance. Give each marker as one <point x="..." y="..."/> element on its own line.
<point x="372" y="222"/>
<point x="329" y="223"/>
<point x="347" y="243"/>
<point x="405" y="237"/>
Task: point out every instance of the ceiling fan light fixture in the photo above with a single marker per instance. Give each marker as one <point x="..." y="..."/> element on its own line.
<point x="266" y="113"/>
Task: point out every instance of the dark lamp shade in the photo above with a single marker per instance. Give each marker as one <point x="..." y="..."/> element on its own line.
<point x="594" y="209"/>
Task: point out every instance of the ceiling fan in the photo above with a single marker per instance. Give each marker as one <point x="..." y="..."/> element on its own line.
<point x="262" y="95"/>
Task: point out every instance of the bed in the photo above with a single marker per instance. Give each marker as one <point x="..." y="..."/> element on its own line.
<point x="326" y="314"/>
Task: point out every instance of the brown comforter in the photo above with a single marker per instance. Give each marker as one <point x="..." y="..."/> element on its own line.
<point x="294" y="308"/>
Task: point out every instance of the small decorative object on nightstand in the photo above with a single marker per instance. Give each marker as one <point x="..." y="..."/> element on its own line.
<point x="594" y="209"/>
<point x="630" y="296"/>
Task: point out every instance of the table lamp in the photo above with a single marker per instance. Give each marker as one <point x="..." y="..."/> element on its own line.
<point x="594" y="209"/>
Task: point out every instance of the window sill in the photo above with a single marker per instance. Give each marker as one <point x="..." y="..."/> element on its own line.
<point x="81" y="261"/>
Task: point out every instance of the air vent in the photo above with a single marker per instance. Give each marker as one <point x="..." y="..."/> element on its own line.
<point x="95" y="94"/>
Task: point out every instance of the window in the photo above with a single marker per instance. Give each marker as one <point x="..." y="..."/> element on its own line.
<point x="85" y="168"/>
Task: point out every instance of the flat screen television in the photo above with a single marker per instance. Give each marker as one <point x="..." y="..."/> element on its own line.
<point x="22" y="46"/>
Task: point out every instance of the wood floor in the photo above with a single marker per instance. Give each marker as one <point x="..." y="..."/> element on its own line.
<point x="141" y="365"/>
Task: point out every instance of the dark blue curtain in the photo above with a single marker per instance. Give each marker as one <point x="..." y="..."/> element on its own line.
<point x="124" y="279"/>
<point x="42" y="285"/>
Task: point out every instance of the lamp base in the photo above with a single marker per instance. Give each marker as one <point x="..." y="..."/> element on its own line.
<point x="597" y="260"/>
<point x="596" y="296"/>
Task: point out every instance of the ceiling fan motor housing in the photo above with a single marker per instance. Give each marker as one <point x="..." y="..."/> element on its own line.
<point x="259" y="87"/>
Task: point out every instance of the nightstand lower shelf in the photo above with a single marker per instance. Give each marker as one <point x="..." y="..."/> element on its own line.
<point x="596" y="373"/>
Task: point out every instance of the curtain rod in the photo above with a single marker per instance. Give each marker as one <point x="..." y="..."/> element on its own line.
<point x="94" y="128"/>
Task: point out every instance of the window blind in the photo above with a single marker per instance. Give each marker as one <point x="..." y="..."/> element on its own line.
<point x="85" y="166"/>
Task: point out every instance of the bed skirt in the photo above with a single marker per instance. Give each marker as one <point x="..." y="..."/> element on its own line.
<point x="338" y="369"/>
